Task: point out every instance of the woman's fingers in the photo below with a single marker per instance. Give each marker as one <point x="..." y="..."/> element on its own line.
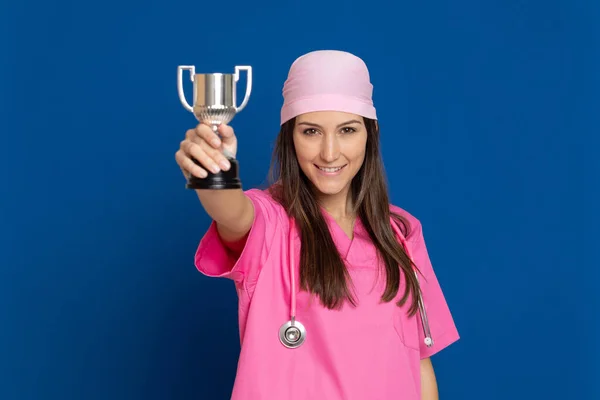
<point x="205" y="133"/>
<point x="188" y="166"/>
<point x="202" y="150"/>
<point x="210" y="158"/>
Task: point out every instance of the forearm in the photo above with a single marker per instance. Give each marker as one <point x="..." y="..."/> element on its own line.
<point x="231" y="209"/>
<point x="429" y="389"/>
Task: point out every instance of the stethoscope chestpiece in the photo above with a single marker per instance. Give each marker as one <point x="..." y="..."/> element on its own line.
<point x="292" y="334"/>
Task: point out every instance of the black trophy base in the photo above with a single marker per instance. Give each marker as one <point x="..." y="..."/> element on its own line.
<point x="221" y="180"/>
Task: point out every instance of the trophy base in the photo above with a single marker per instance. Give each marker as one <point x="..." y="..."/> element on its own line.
<point x="219" y="181"/>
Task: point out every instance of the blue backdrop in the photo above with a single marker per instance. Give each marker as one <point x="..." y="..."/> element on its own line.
<point x="489" y="123"/>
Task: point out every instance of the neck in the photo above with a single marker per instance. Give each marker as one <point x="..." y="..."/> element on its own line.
<point x="339" y="205"/>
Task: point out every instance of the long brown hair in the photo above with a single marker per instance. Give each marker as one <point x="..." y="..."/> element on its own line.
<point x="322" y="271"/>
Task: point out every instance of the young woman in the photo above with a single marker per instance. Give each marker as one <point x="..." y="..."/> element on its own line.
<point x="337" y="295"/>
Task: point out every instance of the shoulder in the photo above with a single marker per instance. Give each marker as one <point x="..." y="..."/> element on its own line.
<point x="265" y="203"/>
<point x="412" y="225"/>
<point x="264" y="195"/>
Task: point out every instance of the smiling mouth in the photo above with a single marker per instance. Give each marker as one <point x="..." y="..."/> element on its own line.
<point x="330" y="169"/>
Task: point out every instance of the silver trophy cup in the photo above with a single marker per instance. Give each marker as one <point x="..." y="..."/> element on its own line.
<point x="215" y="103"/>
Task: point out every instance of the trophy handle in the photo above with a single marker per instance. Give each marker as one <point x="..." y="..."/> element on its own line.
<point x="248" y="70"/>
<point x="180" y="69"/>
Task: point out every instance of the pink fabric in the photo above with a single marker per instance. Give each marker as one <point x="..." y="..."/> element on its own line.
<point x="370" y="352"/>
<point x="328" y="80"/>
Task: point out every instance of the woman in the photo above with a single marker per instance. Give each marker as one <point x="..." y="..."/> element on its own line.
<point x="323" y="250"/>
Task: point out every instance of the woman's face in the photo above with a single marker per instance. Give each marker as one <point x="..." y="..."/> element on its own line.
<point x="330" y="147"/>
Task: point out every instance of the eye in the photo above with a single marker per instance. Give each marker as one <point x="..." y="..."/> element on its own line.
<point x="348" y="130"/>
<point x="310" y="131"/>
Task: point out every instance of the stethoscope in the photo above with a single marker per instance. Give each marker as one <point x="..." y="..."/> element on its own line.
<point x="292" y="334"/>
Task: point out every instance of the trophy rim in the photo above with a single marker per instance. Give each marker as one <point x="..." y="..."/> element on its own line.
<point x="214" y="107"/>
<point x="214" y="74"/>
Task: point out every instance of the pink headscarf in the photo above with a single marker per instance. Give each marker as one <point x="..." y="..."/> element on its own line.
<point x="328" y="80"/>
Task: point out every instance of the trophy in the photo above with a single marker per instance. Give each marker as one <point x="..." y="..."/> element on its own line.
<point x="214" y="104"/>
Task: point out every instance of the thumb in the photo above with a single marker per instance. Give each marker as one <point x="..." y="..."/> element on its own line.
<point x="227" y="133"/>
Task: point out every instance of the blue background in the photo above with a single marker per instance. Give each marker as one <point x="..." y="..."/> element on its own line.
<point x="489" y="114"/>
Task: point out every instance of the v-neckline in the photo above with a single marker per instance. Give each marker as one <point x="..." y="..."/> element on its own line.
<point x="346" y="241"/>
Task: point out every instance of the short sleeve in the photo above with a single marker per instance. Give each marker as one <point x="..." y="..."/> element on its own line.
<point x="441" y="323"/>
<point x="214" y="259"/>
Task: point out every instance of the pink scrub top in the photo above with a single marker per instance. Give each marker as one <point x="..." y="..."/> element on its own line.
<point x="371" y="351"/>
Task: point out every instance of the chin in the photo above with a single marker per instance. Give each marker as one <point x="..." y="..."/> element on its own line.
<point x="330" y="188"/>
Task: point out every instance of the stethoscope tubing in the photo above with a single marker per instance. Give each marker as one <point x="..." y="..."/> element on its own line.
<point x="292" y="334"/>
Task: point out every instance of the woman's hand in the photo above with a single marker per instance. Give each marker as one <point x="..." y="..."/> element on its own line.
<point x="205" y="146"/>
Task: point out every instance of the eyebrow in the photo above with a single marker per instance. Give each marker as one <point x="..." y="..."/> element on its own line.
<point x="352" y="121"/>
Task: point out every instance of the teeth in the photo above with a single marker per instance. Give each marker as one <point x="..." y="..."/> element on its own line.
<point x="330" y="169"/>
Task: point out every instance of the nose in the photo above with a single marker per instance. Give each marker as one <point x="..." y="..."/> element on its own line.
<point x="330" y="148"/>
